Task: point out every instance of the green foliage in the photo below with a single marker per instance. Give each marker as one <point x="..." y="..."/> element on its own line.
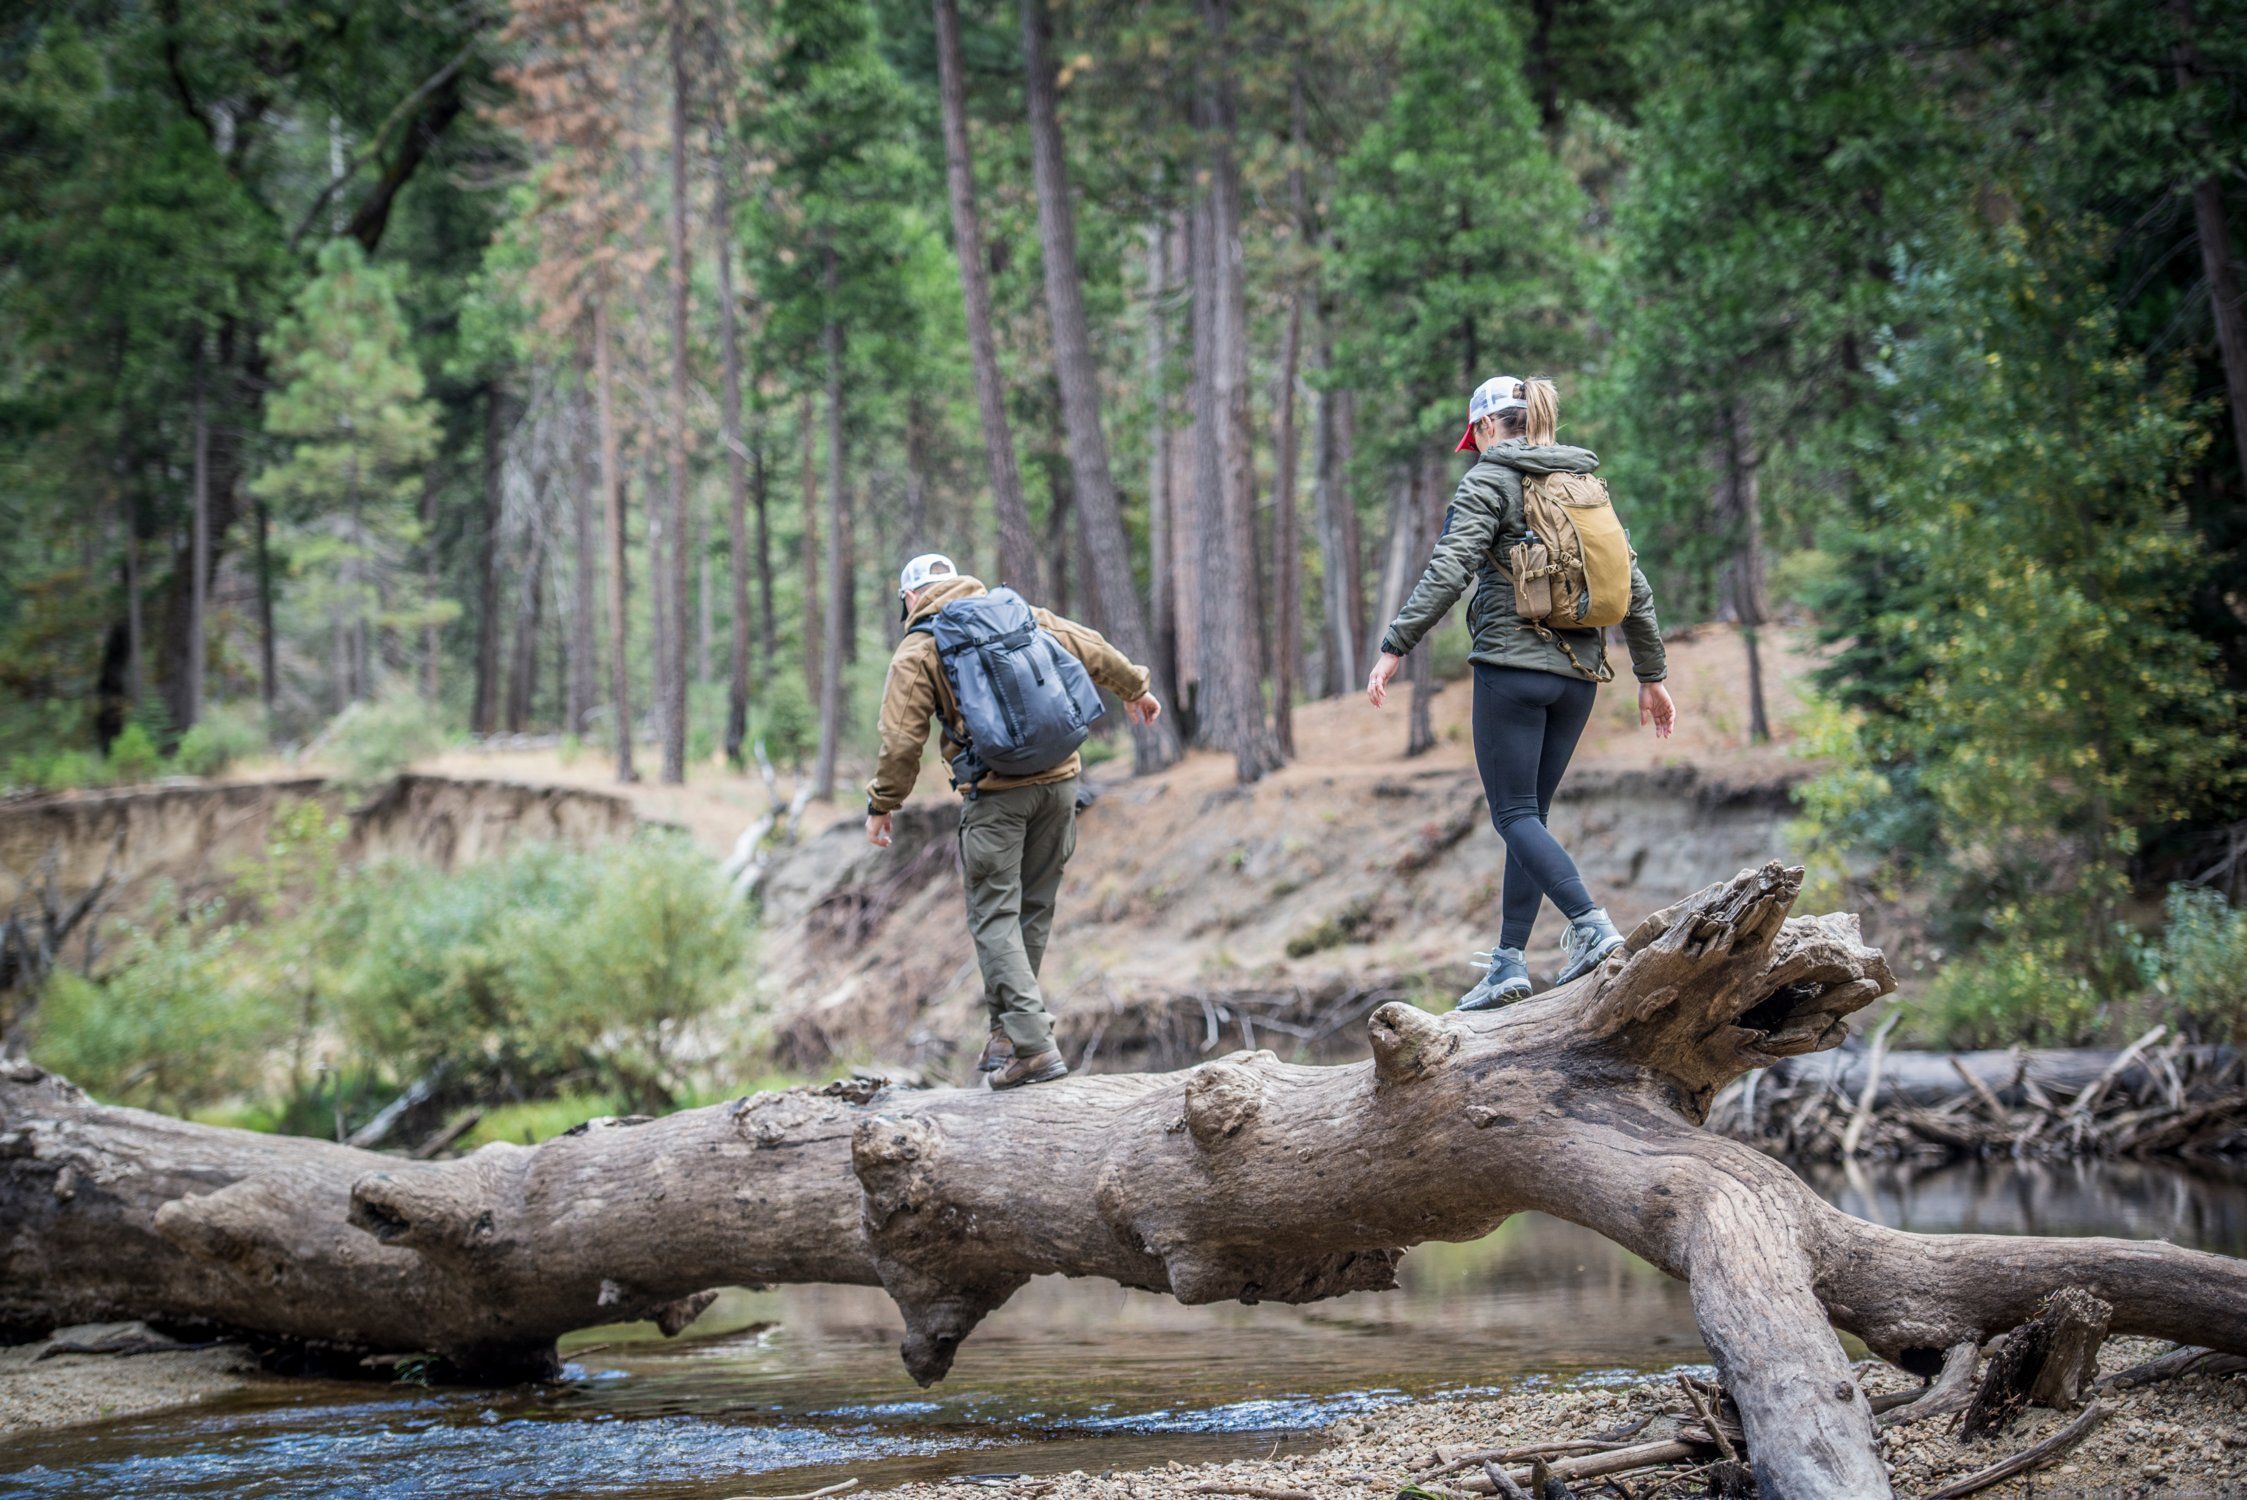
<point x="168" y="1023"/>
<point x="376" y="740"/>
<point x="2198" y="965"/>
<point x="785" y="720"/>
<point x="133" y="755"/>
<point x="535" y="969"/>
<point x="2026" y="990"/>
<point x="227" y="733"/>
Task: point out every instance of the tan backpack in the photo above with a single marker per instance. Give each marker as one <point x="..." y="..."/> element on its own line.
<point x="1574" y="572"/>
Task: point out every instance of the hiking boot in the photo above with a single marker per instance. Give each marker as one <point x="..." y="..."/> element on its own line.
<point x="1589" y="939"/>
<point x="997" y="1052"/>
<point x="1506" y="979"/>
<point x="1030" y="1067"/>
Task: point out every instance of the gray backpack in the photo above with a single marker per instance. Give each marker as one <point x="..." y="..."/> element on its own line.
<point x="1026" y="702"/>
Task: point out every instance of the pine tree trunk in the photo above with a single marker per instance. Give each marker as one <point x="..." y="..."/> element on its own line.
<point x="673" y="668"/>
<point x="1419" y="667"/>
<point x="136" y="637"/>
<point x="1287" y="623"/>
<point x="1018" y="553"/>
<point x="1343" y="648"/>
<point x="199" y="553"/>
<point x="584" y="573"/>
<point x="612" y="492"/>
<point x="760" y="496"/>
<point x="2213" y="226"/>
<point x="1113" y="586"/>
<point x="812" y="633"/>
<point x="1744" y="505"/>
<point x="832" y="657"/>
<point x="483" y="715"/>
<point x="1162" y="593"/>
<point x="737" y="461"/>
<point x="1201" y="625"/>
<point x="1232" y="693"/>
<point x="268" y="683"/>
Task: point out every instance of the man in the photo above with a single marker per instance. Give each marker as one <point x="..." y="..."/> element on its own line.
<point x="1016" y="832"/>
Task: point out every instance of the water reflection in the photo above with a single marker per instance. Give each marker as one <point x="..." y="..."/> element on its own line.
<point x="783" y="1391"/>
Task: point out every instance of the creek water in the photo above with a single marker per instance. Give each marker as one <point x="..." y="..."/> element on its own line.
<point x="784" y="1391"/>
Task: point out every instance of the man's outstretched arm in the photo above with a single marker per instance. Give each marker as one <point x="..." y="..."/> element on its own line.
<point x="1110" y="668"/>
<point x="908" y="703"/>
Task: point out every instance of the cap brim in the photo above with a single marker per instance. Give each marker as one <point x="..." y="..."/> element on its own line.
<point x="1468" y="441"/>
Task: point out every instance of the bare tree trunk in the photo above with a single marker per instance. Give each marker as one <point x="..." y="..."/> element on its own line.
<point x="612" y="490"/>
<point x="268" y="682"/>
<point x="483" y="714"/>
<point x="671" y="675"/>
<point x="1232" y="694"/>
<point x="760" y="494"/>
<point x="813" y="632"/>
<point x="1113" y="585"/>
<point x="1162" y="596"/>
<point x="831" y="658"/>
<point x="522" y="677"/>
<point x="584" y="568"/>
<point x="737" y="461"/>
<point x="2214" y="229"/>
<point x="199" y="554"/>
<point x="1287" y="623"/>
<point x="1419" y="668"/>
<point x="1744" y="574"/>
<point x="1018" y="553"/>
<point x="1244" y="1178"/>
<point x="1330" y="496"/>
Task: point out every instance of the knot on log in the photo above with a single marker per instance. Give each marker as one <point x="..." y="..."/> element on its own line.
<point x="1222" y="1098"/>
<point x="232" y="1229"/>
<point x="437" y="1210"/>
<point x="769" y="1120"/>
<point x="1408" y="1043"/>
<point x="892" y="1157"/>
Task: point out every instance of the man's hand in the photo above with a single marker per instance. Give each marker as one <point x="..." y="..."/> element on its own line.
<point x="1377" y="684"/>
<point x="1144" y="709"/>
<point x="878" y="829"/>
<point x="1656" y="707"/>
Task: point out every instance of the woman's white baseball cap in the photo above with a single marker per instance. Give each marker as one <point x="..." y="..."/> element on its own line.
<point x="1498" y="393"/>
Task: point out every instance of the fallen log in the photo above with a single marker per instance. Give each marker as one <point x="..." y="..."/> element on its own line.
<point x="1243" y="1179"/>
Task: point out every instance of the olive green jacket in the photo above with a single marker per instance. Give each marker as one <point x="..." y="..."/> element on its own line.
<point x="1484" y="522"/>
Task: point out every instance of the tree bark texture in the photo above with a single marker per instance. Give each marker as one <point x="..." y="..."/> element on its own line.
<point x="672" y="669"/>
<point x="584" y="585"/>
<point x="838" y="575"/>
<point x="1743" y="486"/>
<point x="1113" y="586"/>
<point x="737" y="459"/>
<point x="1018" y="552"/>
<point x="483" y="716"/>
<point x="612" y="493"/>
<point x="1162" y="592"/>
<point x="199" y="556"/>
<point x="1242" y="1179"/>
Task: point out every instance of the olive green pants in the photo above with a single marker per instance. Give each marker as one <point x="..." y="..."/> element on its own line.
<point x="1013" y="845"/>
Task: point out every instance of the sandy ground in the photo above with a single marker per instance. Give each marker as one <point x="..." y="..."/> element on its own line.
<point x="2184" y="1438"/>
<point x="64" y="1390"/>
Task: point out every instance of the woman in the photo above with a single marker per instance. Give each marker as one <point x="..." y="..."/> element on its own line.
<point x="1533" y="685"/>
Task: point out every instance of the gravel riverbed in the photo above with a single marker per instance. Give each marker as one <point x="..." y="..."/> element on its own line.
<point x="2185" y="1437"/>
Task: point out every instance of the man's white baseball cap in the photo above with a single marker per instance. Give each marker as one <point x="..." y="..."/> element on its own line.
<point x="916" y="574"/>
<point x="1498" y="393"/>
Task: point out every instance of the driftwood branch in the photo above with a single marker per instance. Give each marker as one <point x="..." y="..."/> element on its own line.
<point x="1242" y="1179"/>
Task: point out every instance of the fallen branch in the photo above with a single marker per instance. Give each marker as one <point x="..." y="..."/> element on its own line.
<point x="2035" y="1457"/>
<point x="1243" y="1179"/>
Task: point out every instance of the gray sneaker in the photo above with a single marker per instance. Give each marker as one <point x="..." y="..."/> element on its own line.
<point x="1589" y="939"/>
<point x="1506" y="978"/>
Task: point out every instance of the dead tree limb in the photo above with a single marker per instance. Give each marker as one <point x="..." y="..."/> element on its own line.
<point x="1243" y="1179"/>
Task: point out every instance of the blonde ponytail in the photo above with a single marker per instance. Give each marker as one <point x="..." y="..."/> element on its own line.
<point x="1541" y="422"/>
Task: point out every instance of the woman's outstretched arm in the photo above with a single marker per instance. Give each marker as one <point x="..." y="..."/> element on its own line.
<point x="1468" y="526"/>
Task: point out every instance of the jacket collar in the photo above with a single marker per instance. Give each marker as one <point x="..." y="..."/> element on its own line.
<point x="941" y="592"/>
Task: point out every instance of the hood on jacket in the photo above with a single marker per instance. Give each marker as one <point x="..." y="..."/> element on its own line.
<point x="943" y="591"/>
<point x="1542" y="458"/>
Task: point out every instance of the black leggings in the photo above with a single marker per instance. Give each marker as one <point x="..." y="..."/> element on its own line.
<point x="1526" y="727"/>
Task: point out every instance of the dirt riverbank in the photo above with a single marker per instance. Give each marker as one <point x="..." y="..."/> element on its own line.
<point x="2185" y="1437"/>
<point x="67" y="1390"/>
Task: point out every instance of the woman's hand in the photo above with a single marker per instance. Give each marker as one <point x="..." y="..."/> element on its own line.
<point x="1377" y="683"/>
<point x="1656" y="707"/>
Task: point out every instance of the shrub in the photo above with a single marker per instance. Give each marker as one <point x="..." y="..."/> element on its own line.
<point x="2032" y="991"/>
<point x="171" y="1024"/>
<point x="784" y="720"/>
<point x="224" y="735"/>
<point x="133" y="755"/>
<point x="376" y="740"/>
<point x="2199" y="963"/>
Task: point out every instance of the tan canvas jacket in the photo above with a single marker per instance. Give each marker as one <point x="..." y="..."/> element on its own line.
<point x="916" y="692"/>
